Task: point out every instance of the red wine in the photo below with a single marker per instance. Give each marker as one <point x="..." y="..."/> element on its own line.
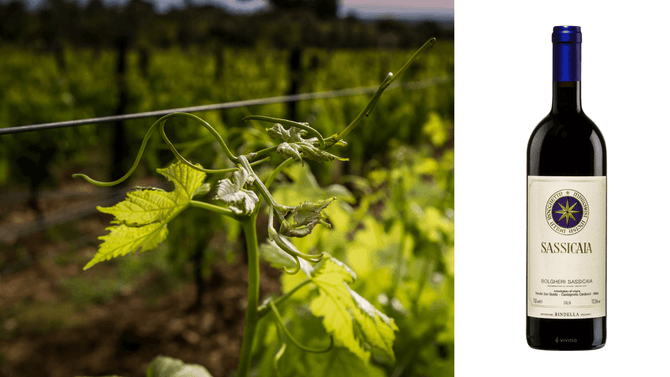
<point x="566" y="215"/>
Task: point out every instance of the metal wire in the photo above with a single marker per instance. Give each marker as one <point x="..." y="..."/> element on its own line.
<point x="415" y="85"/>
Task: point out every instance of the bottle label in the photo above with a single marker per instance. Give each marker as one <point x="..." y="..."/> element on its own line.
<point x="566" y="271"/>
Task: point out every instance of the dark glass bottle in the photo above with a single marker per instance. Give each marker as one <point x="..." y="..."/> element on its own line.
<point x="566" y="150"/>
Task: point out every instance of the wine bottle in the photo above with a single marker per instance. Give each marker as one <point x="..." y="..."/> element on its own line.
<point x="566" y="247"/>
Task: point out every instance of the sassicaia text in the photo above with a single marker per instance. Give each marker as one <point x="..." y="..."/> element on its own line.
<point x="566" y="247"/>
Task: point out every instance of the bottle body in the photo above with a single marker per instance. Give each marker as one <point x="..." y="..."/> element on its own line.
<point x="566" y="226"/>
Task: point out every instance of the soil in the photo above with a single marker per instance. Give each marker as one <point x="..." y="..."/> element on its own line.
<point x="122" y="335"/>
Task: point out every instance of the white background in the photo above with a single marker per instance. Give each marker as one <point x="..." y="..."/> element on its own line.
<point x="503" y="89"/>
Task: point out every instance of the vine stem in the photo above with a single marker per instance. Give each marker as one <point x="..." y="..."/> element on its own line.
<point x="278" y="169"/>
<point x="390" y="78"/>
<point x="264" y="309"/>
<point x="214" y="208"/>
<point x="251" y="316"/>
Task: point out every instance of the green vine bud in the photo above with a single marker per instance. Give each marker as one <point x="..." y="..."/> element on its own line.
<point x="294" y="146"/>
<point x="305" y="217"/>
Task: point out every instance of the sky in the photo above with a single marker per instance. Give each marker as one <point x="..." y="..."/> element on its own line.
<point x="364" y="8"/>
<point x="399" y="8"/>
<point x="420" y="9"/>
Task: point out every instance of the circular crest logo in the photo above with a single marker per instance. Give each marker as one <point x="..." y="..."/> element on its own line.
<point x="567" y="212"/>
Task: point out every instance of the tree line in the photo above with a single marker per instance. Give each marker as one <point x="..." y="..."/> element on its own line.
<point x="138" y="24"/>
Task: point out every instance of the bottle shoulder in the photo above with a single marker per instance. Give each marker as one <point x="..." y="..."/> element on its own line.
<point x="569" y="144"/>
<point x="566" y="129"/>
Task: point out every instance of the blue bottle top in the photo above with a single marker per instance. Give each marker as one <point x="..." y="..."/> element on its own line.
<point x="567" y="44"/>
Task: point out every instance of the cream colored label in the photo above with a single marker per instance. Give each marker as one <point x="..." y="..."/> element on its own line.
<point x="566" y="247"/>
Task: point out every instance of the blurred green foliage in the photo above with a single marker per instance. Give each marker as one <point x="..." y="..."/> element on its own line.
<point x="397" y="233"/>
<point x="35" y="90"/>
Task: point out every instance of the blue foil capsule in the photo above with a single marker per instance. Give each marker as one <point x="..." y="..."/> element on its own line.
<point x="567" y="44"/>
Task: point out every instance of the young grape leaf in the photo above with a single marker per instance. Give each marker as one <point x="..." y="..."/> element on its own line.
<point x="163" y="366"/>
<point x="307" y="212"/>
<point x="352" y="320"/>
<point x="143" y="216"/>
<point x="305" y="217"/>
<point x="293" y="134"/>
<point x="148" y="205"/>
<point x="296" y="147"/>
<point x="278" y="258"/>
<point x="232" y="192"/>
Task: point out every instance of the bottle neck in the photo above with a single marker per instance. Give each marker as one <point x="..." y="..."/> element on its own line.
<point x="567" y="58"/>
<point x="567" y="97"/>
<point x="567" y="75"/>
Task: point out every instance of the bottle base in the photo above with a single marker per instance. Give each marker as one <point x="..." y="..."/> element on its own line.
<point x="544" y="348"/>
<point x="565" y="335"/>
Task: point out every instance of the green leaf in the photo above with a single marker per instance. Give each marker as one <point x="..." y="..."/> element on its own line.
<point x="232" y="192"/>
<point x="295" y="146"/>
<point x="377" y="328"/>
<point x="353" y="321"/>
<point x="163" y="366"/>
<point x="142" y="206"/>
<point x="123" y="239"/>
<point x="148" y="205"/>
<point x="340" y="362"/>
<point x="143" y="216"/>
<point x="186" y="179"/>
<point x="277" y="257"/>
<point x="202" y="190"/>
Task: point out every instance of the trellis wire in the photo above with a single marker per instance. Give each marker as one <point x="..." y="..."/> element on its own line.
<point x="414" y="85"/>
